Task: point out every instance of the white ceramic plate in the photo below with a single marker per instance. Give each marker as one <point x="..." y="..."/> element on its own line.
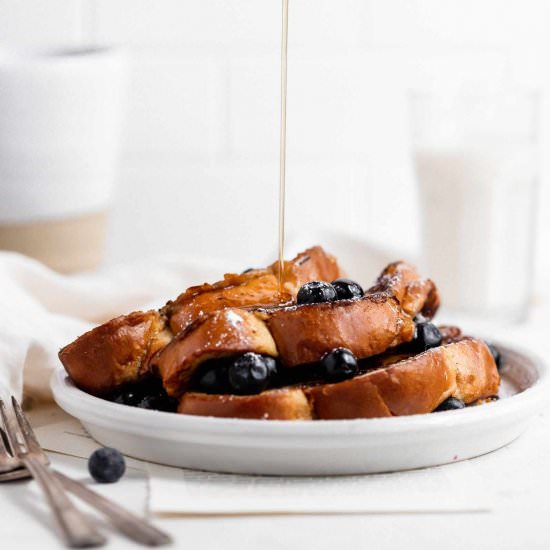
<point x="318" y="447"/>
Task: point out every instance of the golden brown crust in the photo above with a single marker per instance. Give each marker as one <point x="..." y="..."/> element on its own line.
<point x="303" y="334"/>
<point x="366" y="327"/>
<point x="476" y="372"/>
<point x="414" y="385"/>
<point x="115" y="352"/>
<point x="285" y="404"/>
<point x="314" y="264"/>
<point x="120" y="350"/>
<point x="223" y="333"/>
<point x="259" y="287"/>
<point x="359" y="399"/>
<point x="450" y="333"/>
<point x="402" y="281"/>
<point x="417" y="385"/>
<point x="381" y="320"/>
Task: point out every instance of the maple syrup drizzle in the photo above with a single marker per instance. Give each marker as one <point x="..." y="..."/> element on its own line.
<point x="282" y="151"/>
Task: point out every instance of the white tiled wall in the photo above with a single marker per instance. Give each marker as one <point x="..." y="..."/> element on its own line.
<point x="199" y="169"/>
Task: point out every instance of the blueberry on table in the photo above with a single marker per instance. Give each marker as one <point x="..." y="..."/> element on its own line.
<point x="346" y="289"/>
<point x="250" y="373"/>
<point x="496" y="354"/>
<point x="450" y="404"/>
<point x="339" y="364"/>
<point x="106" y="465"/>
<point x="426" y="336"/>
<point x="316" y="292"/>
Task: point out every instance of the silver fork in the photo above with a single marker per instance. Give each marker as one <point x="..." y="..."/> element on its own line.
<point x="74" y="527"/>
<point x="8" y="462"/>
<point x="10" y="466"/>
<point x="131" y="525"/>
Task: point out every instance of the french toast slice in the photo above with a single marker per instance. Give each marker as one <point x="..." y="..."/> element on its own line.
<point x="382" y="319"/>
<point x="224" y="333"/>
<point x="254" y="288"/>
<point x="417" y="384"/>
<point x="120" y="350"/>
<point x="276" y="404"/>
<point x="116" y="352"/>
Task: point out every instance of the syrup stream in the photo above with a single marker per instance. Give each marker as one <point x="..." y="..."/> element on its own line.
<point x="282" y="152"/>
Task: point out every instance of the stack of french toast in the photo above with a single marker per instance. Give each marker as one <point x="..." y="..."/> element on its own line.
<point x="316" y="347"/>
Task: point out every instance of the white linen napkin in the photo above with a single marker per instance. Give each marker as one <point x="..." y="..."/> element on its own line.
<point x="41" y="310"/>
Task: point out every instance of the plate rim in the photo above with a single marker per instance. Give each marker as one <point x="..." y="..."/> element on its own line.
<point x="137" y="421"/>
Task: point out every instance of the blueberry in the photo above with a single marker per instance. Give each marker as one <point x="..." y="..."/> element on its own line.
<point x="212" y="379"/>
<point x="426" y="336"/>
<point x="496" y="354"/>
<point x="158" y="403"/>
<point x="106" y="465"/>
<point x="271" y="365"/>
<point x="346" y="289"/>
<point x="128" y="397"/>
<point x="153" y="386"/>
<point x="450" y="404"/>
<point x="249" y="374"/>
<point x="147" y="394"/>
<point x="315" y="292"/>
<point x="339" y="364"/>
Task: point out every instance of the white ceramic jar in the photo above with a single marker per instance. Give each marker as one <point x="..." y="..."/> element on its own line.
<point x="60" y="124"/>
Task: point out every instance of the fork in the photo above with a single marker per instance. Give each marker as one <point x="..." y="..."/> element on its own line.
<point x="74" y="527"/>
<point x="131" y="525"/>
<point x="8" y="462"/>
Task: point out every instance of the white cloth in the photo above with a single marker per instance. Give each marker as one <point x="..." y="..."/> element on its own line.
<point x="41" y="311"/>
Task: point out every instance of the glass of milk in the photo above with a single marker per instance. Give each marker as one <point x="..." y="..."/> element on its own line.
<point x="476" y="164"/>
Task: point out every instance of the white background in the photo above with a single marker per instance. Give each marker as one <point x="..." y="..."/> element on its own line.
<point x="198" y="173"/>
<point x="198" y="176"/>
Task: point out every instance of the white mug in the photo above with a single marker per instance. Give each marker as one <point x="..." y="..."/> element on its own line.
<point x="60" y="123"/>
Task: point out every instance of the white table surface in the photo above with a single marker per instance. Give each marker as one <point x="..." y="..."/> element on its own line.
<point x="517" y="475"/>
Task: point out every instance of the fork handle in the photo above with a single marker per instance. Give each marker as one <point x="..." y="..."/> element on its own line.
<point x="131" y="525"/>
<point x="74" y="527"/>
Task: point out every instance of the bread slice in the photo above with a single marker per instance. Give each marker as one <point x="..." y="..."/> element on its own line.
<point x="254" y="288"/>
<point x="120" y="350"/>
<point x="415" y="385"/>
<point x="382" y="319"/>
<point x="115" y="353"/>
<point x="465" y="370"/>
<point x="224" y="333"/>
<point x="279" y="404"/>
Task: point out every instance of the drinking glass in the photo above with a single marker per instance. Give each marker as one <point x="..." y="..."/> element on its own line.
<point x="476" y="164"/>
